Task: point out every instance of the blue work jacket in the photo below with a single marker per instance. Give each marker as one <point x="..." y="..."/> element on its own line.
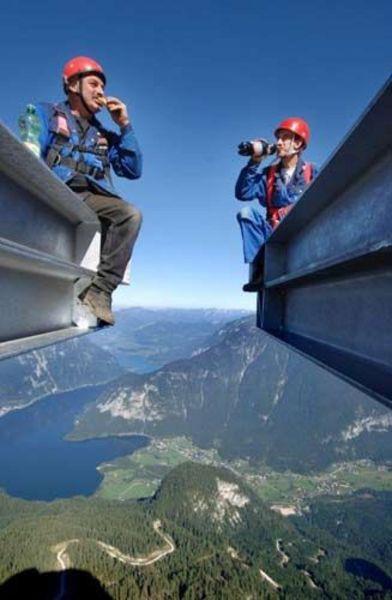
<point x="252" y="184"/>
<point x="122" y="150"/>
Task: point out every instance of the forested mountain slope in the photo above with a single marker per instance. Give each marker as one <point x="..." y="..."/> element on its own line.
<point x="204" y="535"/>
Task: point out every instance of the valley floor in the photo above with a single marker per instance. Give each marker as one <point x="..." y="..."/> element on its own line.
<point x="140" y="474"/>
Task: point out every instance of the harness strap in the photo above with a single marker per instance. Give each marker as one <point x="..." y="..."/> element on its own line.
<point x="308" y="172"/>
<point x="53" y="158"/>
<point x="275" y="214"/>
<point x="271" y="210"/>
<point x="62" y="137"/>
<point x="82" y="167"/>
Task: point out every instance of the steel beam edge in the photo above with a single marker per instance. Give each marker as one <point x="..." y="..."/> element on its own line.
<point x="31" y="173"/>
<point x="20" y="346"/>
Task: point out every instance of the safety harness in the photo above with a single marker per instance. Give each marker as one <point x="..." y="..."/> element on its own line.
<point x="275" y="214"/>
<point x="63" y="149"/>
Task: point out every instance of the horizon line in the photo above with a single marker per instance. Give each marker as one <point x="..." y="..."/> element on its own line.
<point x="161" y="307"/>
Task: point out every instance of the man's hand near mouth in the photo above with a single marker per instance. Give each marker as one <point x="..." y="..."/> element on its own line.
<point x="118" y="111"/>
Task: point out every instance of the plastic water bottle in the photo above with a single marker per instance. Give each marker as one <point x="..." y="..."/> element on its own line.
<point x="30" y="128"/>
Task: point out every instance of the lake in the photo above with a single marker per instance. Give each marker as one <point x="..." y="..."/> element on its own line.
<point x="36" y="463"/>
<point x="134" y="362"/>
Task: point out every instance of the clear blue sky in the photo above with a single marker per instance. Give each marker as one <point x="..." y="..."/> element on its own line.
<point x="198" y="78"/>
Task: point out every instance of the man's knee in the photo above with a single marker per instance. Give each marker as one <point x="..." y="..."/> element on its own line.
<point x="136" y="218"/>
<point x="130" y="212"/>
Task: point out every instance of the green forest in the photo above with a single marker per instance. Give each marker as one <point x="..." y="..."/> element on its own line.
<point x="205" y="534"/>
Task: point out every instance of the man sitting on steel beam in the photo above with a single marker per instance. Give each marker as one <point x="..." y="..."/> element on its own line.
<point x="80" y="151"/>
<point x="276" y="187"/>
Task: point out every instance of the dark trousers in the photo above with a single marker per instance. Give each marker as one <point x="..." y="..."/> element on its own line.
<point x="120" y="225"/>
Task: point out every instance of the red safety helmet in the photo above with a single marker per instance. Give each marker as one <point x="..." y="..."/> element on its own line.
<point x="297" y="126"/>
<point x="82" y="65"/>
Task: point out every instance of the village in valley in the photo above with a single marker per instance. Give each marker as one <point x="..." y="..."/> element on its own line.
<point x="139" y="475"/>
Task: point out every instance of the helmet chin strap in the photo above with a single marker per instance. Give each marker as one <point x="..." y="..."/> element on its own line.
<point x="80" y="94"/>
<point x="292" y="150"/>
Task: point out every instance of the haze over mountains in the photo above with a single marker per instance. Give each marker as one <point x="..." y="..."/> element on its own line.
<point x="248" y="397"/>
<point x="145" y="339"/>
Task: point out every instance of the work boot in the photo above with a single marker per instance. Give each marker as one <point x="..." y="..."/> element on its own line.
<point x="99" y="303"/>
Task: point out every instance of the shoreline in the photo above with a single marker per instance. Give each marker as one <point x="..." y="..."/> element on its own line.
<point x="109" y="435"/>
<point x="5" y="411"/>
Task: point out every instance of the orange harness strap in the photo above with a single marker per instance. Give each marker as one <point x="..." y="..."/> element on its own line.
<point x="274" y="214"/>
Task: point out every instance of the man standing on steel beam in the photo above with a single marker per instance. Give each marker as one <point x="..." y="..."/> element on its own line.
<point x="276" y="187"/>
<point x="80" y="151"/>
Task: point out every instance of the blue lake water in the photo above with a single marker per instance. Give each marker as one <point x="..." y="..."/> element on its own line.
<point x="136" y="363"/>
<point x="36" y="463"/>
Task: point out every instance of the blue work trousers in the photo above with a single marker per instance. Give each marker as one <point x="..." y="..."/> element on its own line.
<point x="255" y="230"/>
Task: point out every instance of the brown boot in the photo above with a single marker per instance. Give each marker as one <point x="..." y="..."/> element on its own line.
<point x="99" y="303"/>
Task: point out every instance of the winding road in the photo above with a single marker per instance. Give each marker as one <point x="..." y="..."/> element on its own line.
<point x="284" y="558"/>
<point x="142" y="561"/>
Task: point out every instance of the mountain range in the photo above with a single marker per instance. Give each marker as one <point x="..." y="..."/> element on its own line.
<point x="247" y="396"/>
<point x="205" y="533"/>
<point x="145" y="339"/>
